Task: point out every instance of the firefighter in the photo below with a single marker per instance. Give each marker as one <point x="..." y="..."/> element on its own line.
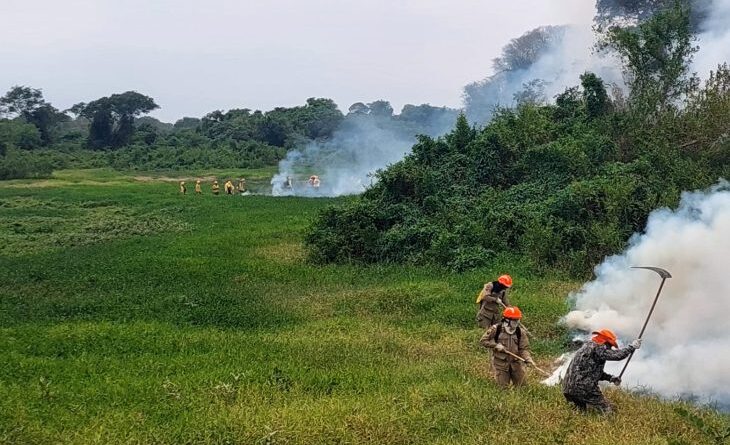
<point x="491" y="300"/>
<point x="510" y="346"/>
<point x="580" y="385"/>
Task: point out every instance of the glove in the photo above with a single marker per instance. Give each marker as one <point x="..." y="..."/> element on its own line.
<point x="615" y="380"/>
<point x="636" y="344"/>
<point x="499" y="347"/>
<point x="499" y="302"/>
<point x="530" y="362"/>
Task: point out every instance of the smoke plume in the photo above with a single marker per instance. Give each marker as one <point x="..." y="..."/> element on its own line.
<point x="561" y="57"/>
<point x="363" y="144"/>
<point x="714" y="38"/>
<point x="686" y="344"/>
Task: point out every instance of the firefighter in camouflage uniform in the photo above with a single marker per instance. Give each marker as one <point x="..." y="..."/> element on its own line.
<point x="580" y="385"/>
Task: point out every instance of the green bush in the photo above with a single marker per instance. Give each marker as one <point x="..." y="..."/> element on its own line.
<point x="19" y="165"/>
<point x="560" y="185"/>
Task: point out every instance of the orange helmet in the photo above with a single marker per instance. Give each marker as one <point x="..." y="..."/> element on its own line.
<point x="605" y="336"/>
<point x="512" y="312"/>
<point x="506" y="280"/>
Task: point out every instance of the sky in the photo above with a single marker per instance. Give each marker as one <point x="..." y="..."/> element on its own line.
<point x="194" y="57"/>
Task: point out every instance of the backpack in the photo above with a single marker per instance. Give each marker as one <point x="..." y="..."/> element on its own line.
<point x="479" y="297"/>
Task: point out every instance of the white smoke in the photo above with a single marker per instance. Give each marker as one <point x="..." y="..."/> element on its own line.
<point x="573" y="53"/>
<point x="562" y="65"/>
<point x="558" y="67"/>
<point x="686" y="350"/>
<point x="363" y="144"/>
<point x="714" y="38"/>
<point x="345" y="164"/>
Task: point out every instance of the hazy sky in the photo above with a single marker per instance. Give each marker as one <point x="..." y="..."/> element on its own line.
<point x="196" y="56"/>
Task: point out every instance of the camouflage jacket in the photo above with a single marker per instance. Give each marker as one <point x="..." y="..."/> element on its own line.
<point x="489" y="309"/>
<point x="516" y="344"/>
<point x="586" y="368"/>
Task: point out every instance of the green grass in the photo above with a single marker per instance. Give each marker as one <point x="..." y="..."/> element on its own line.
<point x="132" y="314"/>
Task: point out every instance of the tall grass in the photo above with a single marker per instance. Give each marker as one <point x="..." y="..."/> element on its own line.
<point x="208" y="326"/>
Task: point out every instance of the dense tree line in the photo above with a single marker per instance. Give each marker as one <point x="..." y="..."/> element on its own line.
<point x="36" y="138"/>
<point x="559" y="185"/>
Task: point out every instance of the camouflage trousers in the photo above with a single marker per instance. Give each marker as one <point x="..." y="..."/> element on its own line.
<point x="592" y="401"/>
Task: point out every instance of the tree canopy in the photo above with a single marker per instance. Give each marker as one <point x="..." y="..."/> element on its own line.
<point x="28" y="104"/>
<point x="112" y="118"/>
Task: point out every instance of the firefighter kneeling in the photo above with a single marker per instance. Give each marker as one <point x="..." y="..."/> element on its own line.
<point x="510" y="346"/>
<point x="580" y="385"/>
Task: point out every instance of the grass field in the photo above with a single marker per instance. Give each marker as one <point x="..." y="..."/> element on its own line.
<point x="131" y="314"/>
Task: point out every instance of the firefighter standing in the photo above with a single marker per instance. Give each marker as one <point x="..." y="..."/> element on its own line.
<point x="508" y="341"/>
<point x="491" y="300"/>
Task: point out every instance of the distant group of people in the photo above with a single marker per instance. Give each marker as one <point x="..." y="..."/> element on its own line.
<point x="509" y="342"/>
<point x="215" y="188"/>
<point x="313" y="182"/>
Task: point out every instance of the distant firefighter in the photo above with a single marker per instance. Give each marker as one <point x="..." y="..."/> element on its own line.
<point x="198" y="190"/>
<point x="183" y="189"/>
<point x="229" y="187"/>
<point x="491" y="300"/>
<point x="242" y="186"/>
<point x="287" y="183"/>
<point x="215" y="187"/>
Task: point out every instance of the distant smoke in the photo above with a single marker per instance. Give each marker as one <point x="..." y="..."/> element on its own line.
<point x="547" y="63"/>
<point x="569" y="52"/>
<point x="686" y="344"/>
<point x="363" y="144"/>
<point x="566" y="53"/>
<point x="561" y="65"/>
<point x="714" y="38"/>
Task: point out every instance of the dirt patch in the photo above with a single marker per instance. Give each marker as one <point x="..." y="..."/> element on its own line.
<point x="287" y="253"/>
